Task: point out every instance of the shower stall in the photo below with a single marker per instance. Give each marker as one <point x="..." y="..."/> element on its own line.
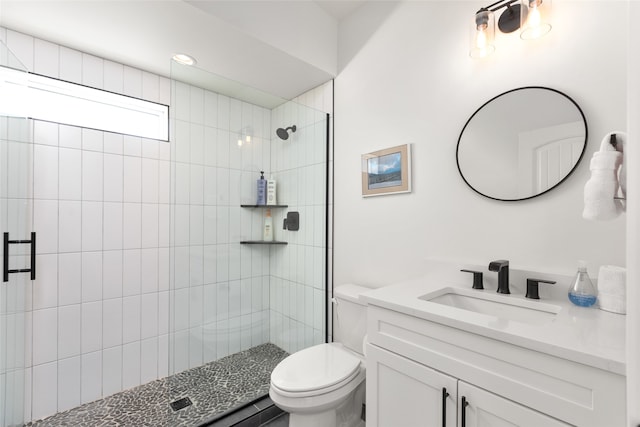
<point x="155" y="297"/>
<point x="234" y="295"/>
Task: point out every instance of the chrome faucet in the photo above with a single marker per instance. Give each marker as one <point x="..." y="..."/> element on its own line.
<point x="502" y="267"/>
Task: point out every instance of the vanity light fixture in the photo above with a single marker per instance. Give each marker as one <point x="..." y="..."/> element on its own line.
<point x="184" y="59"/>
<point x="532" y="17"/>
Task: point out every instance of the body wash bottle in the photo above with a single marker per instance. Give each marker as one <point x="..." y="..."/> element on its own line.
<point x="271" y="191"/>
<point x="262" y="190"/>
<point x="267" y="234"/>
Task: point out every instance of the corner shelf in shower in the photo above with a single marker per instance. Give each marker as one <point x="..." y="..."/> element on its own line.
<point x="262" y="242"/>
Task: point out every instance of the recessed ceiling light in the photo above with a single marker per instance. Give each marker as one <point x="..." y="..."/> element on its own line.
<point x="184" y="59"/>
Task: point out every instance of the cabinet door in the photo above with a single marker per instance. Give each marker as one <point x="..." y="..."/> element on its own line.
<point x="403" y="393"/>
<point x="479" y="408"/>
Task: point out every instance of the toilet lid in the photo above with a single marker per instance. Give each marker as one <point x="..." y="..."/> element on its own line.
<point x="315" y="368"/>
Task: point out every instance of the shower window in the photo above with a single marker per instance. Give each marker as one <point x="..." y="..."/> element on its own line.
<point x="43" y="98"/>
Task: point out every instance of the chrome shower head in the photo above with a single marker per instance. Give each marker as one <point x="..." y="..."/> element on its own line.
<point x="283" y="134"/>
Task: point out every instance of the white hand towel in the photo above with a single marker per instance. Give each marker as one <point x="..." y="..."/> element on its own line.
<point x="612" y="279"/>
<point x="612" y="303"/>
<point x="601" y="189"/>
<point x="612" y="289"/>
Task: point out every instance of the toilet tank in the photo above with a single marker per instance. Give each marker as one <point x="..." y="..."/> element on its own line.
<point x="350" y="316"/>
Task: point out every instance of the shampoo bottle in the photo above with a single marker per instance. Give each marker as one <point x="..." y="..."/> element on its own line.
<point x="582" y="292"/>
<point x="262" y="190"/>
<point x="271" y="192"/>
<point x="268" y="227"/>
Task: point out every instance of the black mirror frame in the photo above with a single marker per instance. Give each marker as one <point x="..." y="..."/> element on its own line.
<point x="586" y="139"/>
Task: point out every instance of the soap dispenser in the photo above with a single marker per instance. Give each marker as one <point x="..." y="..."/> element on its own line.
<point x="582" y="292"/>
<point x="262" y="190"/>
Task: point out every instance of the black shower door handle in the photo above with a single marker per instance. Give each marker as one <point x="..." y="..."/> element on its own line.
<point x="5" y="258"/>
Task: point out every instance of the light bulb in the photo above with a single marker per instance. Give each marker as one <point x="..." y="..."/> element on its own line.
<point x="481" y="39"/>
<point x="239" y="142"/>
<point x="481" y="34"/>
<point x="534" y="17"/>
<point x="248" y="138"/>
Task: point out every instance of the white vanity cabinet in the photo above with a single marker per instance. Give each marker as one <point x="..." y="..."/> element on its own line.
<point x="403" y="393"/>
<point x="410" y="360"/>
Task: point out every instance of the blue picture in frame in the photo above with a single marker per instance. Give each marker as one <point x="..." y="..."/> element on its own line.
<point x="387" y="171"/>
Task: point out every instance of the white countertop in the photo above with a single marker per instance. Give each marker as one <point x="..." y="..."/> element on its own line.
<point x="584" y="335"/>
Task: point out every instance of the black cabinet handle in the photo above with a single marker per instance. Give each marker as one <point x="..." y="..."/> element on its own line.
<point x="463" y="408"/>
<point x="33" y="255"/>
<point x="444" y="406"/>
<point x="5" y="258"/>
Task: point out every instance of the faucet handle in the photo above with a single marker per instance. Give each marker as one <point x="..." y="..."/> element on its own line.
<point x="498" y="265"/>
<point x="477" y="278"/>
<point x="532" y="287"/>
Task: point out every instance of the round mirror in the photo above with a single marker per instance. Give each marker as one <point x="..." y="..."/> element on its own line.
<point x="522" y="143"/>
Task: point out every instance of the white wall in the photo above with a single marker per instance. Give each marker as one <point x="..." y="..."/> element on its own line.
<point x="411" y="81"/>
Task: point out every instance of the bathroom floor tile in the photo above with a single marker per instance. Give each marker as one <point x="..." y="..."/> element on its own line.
<point x="213" y="389"/>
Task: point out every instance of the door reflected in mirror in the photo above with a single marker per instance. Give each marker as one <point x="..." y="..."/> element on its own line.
<point x="521" y="143"/>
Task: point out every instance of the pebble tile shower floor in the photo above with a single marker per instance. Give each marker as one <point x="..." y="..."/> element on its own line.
<point x="213" y="389"/>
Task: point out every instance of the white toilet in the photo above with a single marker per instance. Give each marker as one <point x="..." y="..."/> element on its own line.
<point x="324" y="385"/>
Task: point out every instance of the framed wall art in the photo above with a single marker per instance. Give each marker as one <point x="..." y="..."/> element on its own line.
<point x="387" y="171"/>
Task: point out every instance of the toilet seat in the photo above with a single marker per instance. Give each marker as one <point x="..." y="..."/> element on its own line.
<point x="315" y="370"/>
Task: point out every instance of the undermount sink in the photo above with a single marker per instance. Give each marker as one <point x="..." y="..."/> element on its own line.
<point x="489" y="303"/>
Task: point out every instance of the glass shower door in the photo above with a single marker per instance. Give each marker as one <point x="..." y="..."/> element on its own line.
<point x="15" y="227"/>
<point x="240" y="304"/>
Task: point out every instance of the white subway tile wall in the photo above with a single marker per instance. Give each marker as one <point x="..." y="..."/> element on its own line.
<point x="141" y="273"/>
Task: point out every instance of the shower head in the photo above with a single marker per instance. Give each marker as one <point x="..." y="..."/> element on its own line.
<point x="283" y="134"/>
